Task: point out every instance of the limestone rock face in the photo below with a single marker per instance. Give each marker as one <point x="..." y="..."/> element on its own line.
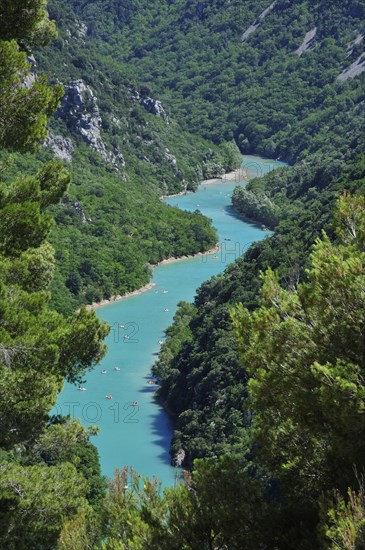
<point x="355" y="69"/>
<point x="30" y="78"/>
<point x="170" y="157"/>
<point x="79" y="109"/>
<point x="61" y="147"/>
<point x="76" y="205"/>
<point x="251" y="29"/>
<point x="307" y="43"/>
<point x="154" y="106"/>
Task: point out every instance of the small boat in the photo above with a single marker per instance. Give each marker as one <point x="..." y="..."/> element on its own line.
<point x="126" y="337"/>
<point x="81" y="388"/>
<point x="150" y="382"/>
<point x="122" y="326"/>
<point x="164" y="291"/>
<point x="135" y="403"/>
<point x="109" y="396"/>
<point x="160" y="342"/>
<point x="116" y="368"/>
<point x="104" y="371"/>
<point x="166" y="309"/>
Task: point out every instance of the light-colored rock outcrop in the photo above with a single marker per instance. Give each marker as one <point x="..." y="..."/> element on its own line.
<point x="359" y="38"/>
<point x="170" y="157"/>
<point x="307" y="42"/>
<point x="154" y="106"/>
<point x="31" y="77"/>
<point x="79" y="109"/>
<point x="60" y="146"/>
<point x="76" y="205"/>
<point x="355" y="69"/>
<point x="256" y="24"/>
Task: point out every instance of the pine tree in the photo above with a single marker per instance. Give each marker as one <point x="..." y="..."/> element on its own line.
<point x="42" y="483"/>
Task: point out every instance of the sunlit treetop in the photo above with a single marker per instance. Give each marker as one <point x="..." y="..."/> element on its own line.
<point x="25" y="21"/>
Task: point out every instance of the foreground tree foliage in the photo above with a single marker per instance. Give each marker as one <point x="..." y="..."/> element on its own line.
<point x="47" y="472"/>
<point x="26" y="21"/>
<point x="304" y="351"/>
<point x="26" y="102"/>
<point x="220" y="507"/>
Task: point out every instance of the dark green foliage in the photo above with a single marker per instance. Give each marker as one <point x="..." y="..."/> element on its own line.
<point x="24" y="108"/>
<point x="255" y="206"/>
<point x="202" y="381"/>
<point x="258" y="91"/>
<point x="125" y="231"/>
<point x="111" y="226"/>
<point x="43" y="476"/>
<point x="26" y="21"/>
<point x="192" y="58"/>
<point x="303" y="349"/>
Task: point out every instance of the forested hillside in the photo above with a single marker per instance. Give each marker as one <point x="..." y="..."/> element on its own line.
<point x="274" y="79"/>
<point x="273" y="88"/>
<point x="286" y="109"/>
<point x="123" y="151"/>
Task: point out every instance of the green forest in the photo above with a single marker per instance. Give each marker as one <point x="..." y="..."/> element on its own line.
<point x="122" y="158"/>
<point x="106" y="106"/>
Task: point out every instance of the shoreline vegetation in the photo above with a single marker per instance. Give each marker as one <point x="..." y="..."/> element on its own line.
<point x="150" y="285"/>
<point x="237" y="175"/>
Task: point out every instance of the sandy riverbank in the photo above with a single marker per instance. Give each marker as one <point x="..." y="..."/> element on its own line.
<point x="148" y="286"/>
<point x="119" y="297"/>
<point x="236" y="175"/>
<point x="188" y="257"/>
<point x="229" y="176"/>
<point x="181" y="194"/>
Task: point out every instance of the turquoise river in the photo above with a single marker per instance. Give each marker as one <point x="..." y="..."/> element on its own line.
<point x="134" y="429"/>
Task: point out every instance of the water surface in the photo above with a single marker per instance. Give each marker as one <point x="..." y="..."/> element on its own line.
<point x="134" y="429"/>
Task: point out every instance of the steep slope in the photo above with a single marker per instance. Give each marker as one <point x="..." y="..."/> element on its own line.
<point x="124" y="151"/>
<point x="275" y="76"/>
<point x="287" y="59"/>
<point x="276" y="90"/>
<point x="202" y="380"/>
<point x="293" y="369"/>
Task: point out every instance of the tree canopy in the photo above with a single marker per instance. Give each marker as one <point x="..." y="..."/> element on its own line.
<point x="38" y="347"/>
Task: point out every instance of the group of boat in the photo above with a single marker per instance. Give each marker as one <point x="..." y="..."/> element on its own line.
<point x="104" y="371"/>
<point x="126" y="337"/>
<point x="109" y="396"/>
